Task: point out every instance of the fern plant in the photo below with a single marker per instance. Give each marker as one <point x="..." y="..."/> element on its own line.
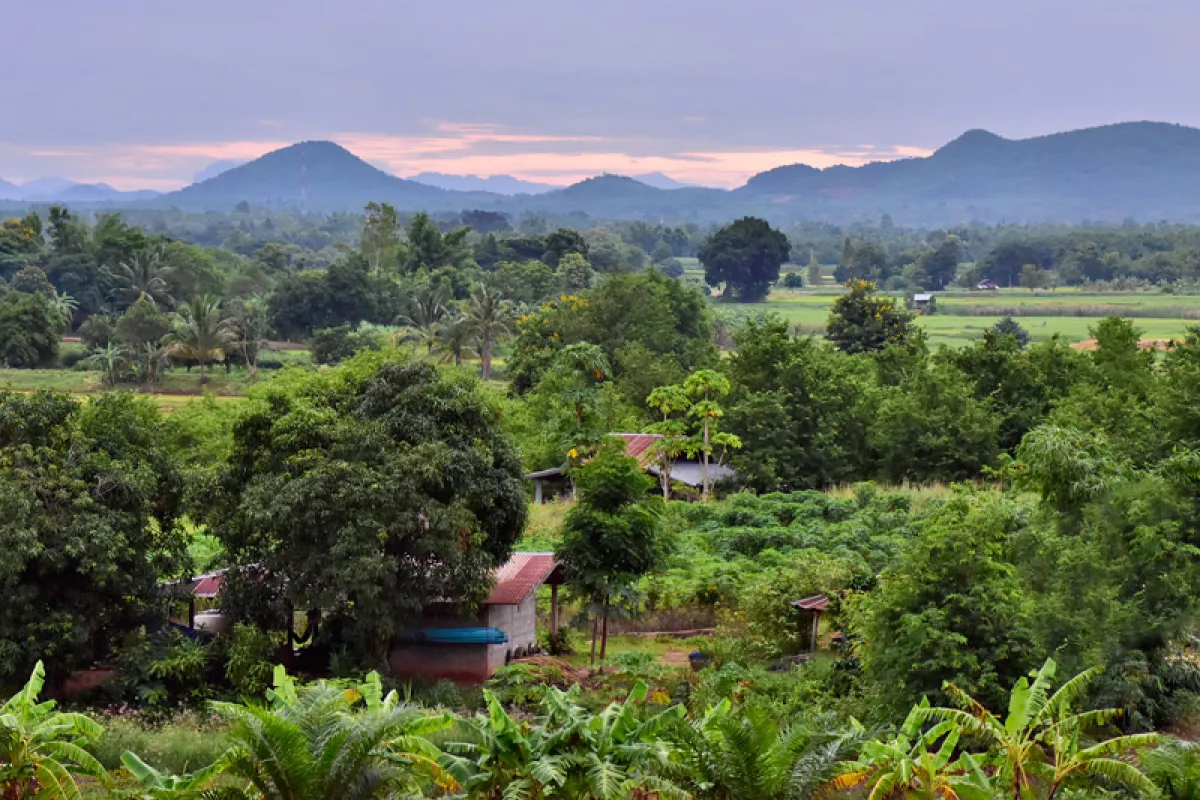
<point x="749" y="755"/>
<point x="324" y="741"/>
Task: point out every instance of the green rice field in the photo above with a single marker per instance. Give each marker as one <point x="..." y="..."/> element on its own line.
<point x="963" y="316"/>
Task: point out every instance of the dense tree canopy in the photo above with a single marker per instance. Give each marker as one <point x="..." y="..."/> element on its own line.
<point x="745" y="256"/>
<point x="370" y="491"/>
<point x="89" y="504"/>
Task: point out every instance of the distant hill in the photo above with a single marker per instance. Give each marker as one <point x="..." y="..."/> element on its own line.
<point x="333" y="177"/>
<point x="60" y="190"/>
<point x="499" y="184"/>
<point x="216" y="168"/>
<point x="660" y="181"/>
<point x="1143" y="170"/>
<point x="1140" y="170"/>
<point x="619" y="197"/>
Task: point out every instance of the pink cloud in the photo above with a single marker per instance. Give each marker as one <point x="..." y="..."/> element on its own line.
<point x="464" y="148"/>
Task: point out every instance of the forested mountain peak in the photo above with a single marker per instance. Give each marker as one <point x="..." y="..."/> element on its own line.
<point x="320" y="174"/>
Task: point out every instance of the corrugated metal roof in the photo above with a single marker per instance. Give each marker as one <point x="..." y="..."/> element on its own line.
<point x="520" y="577"/>
<point x="691" y="473"/>
<point x="815" y="603"/>
<point x="637" y="445"/>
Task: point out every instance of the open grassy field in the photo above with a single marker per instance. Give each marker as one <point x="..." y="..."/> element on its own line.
<point x="963" y="316"/>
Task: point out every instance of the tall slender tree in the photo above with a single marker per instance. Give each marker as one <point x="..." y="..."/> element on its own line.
<point x="490" y="315"/>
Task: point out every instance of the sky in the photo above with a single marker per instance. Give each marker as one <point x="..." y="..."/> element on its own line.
<point x="145" y="93"/>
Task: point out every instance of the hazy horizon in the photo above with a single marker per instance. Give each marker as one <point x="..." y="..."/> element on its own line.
<point x="143" y="95"/>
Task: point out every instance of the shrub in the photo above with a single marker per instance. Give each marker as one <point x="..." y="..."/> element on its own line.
<point x="250" y="662"/>
<point x="333" y="345"/>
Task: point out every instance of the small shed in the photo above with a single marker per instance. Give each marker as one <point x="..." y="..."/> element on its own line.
<point x="470" y="649"/>
<point x="812" y="608"/>
<point x="922" y="303"/>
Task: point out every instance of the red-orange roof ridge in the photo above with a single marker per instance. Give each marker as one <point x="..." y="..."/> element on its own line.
<point x="520" y="576"/>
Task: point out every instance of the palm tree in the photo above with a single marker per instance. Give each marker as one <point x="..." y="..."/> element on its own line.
<point x="725" y="755"/>
<point x="1041" y="738"/>
<point x="326" y="742"/>
<point x="143" y="276"/>
<point x="64" y="307"/>
<point x="150" y="362"/>
<point x="456" y="340"/>
<point x="201" y="333"/>
<point x="427" y="315"/>
<point x="111" y="360"/>
<point x="41" y="750"/>
<point x="250" y="324"/>
<point x="489" y="316"/>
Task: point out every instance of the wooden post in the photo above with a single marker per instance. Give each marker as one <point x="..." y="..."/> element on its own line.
<point x="554" y="616"/>
<point x="816" y="623"/>
<point x="537" y="492"/>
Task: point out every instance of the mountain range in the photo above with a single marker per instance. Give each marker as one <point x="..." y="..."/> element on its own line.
<point x="1140" y="170"/>
<point x="65" y="191"/>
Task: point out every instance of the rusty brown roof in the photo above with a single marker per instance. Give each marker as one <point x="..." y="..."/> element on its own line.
<point x="520" y="577"/>
<point x="638" y="445"/>
<point x="815" y="603"/>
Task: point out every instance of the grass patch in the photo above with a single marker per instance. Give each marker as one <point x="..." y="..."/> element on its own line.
<point x="543" y="531"/>
<point x="182" y="744"/>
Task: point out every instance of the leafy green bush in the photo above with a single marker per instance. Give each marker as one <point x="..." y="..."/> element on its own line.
<point x="251" y="659"/>
<point x="333" y="345"/>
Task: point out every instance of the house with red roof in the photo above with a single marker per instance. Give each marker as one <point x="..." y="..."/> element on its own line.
<point x="553" y="482"/>
<point x="443" y="645"/>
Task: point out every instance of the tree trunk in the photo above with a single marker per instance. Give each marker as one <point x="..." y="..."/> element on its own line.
<point x="202" y="372"/>
<point x="604" y="631"/>
<point x="485" y="356"/>
<point x="704" y="462"/>
<point x="594" y="623"/>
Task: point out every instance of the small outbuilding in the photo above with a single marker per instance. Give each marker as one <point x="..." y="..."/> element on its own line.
<point x="469" y="650"/>
<point x="441" y="644"/>
<point x="812" y="608"/>
<point x="922" y="303"/>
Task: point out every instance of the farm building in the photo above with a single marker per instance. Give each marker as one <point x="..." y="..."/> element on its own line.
<point x="469" y="650"/>
<point x="440" y="645"/>
<point x="553" y="482"/>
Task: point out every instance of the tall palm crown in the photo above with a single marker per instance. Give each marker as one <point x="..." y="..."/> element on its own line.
<point x="143" y="276"/>
<point x="427" y="315"/>
<point x="201" y="332"/>
<point x="489" y="315"/>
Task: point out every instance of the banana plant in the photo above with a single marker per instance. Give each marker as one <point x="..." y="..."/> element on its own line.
<point x="567" y="752"/>
<point x="153" y="784"/>
<point x="1039" y="742"/>
<point x="41" y="749"/>
<point x="917" y="763"/>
